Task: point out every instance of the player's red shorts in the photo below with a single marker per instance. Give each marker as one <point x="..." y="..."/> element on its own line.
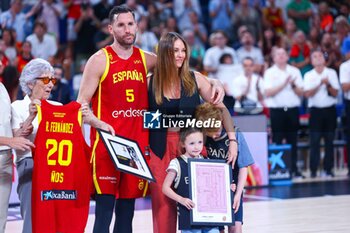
<point x="108" y="180"/>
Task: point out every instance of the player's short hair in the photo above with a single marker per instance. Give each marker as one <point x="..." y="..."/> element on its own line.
<point x="119" y="10"/>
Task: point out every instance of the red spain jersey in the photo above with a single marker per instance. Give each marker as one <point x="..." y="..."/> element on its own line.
<point x="120" y="100"/>
<point x="61" y="176"/>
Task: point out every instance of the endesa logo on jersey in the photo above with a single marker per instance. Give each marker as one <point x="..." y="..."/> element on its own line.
<point x="127" y="113"/>
<point x="50" y="195"/>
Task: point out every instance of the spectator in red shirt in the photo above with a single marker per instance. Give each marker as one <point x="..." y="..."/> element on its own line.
<point x="300" y="53"/>
<point x="73" y="9"/>
<point x="273" y="17"/>
<point x="325" y="17"/>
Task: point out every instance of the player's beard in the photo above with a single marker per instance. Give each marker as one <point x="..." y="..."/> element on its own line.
<point x="125" y="42"/>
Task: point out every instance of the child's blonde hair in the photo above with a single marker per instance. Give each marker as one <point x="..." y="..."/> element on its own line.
<point x="208" y="111"/>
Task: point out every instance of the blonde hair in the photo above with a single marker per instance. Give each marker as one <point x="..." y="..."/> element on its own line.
<point x="208" y="111"/>
<point x="166" y="72"/>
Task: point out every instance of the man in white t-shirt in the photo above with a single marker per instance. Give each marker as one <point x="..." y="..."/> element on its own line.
<point x="321" y="87"/>
<point x="249" y="50"/>
<point x="212" y="56"/>
<point x="246" y="89"/>
<point x="43" y="45"/>
<point x="344" y="73"/>
<point x="283" y="88"/>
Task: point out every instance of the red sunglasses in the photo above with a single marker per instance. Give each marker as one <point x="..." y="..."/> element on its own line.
<point x="46" y="80"/>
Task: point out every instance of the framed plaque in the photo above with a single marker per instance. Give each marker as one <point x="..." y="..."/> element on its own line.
<point x="210" y="190"/>
<point x="126" y="155"/>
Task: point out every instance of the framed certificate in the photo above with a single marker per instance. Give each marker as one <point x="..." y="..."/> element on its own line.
<point x="126" y="155"/>
<point x="210" y="190"/>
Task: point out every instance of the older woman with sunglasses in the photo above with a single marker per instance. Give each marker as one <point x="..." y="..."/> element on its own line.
<point x="37" y="80"/>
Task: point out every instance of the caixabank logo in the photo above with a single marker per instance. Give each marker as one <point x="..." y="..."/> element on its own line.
<point x="50" y="195"/>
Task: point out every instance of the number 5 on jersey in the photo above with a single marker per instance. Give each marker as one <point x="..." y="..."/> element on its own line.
<point x="130" y="97"/>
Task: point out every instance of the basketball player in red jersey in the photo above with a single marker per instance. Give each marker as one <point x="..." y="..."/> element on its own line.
<point x="114" y="81"/>
<point x="61" y="185"/>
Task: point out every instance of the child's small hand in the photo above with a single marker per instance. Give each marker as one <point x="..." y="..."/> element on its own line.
<point x="188" y="203"/>
<point x="232" y="153"/>
<point x="236" y="202"/>
<point x="233" y="187"/>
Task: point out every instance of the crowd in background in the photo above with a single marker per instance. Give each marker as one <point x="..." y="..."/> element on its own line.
<point x="233" y="41"/>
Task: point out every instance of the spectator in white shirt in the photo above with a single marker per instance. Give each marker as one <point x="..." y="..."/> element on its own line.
<point x="321" y="87"/>
<point x="199" y="29"/>
<point x="182" y="9"/>
<point x="227" y="72"/>
<point x="7" y="141"/>
<point x="138" y="9"/>
<point x="249" y="50"/>
<point x="15" y="19"/>
<point x="283" y="90"/>
<point x="50" y="11"/>
<point x="43" y="45"/>
<point x="247" y="89"/>
<point x="212" y="55"/>
<point x="344" y="74"/>
<point x="145" y="39"/>
<point x="220" y="14"/>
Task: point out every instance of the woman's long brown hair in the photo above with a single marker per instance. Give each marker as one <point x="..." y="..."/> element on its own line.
<point x="166" y="72"/>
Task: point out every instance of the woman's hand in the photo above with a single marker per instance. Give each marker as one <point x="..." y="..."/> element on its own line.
<point x="25" y="131"/>
<point x="26" y="127"/>
<point x="217" y="91"/>
<point x="33" y="110"/>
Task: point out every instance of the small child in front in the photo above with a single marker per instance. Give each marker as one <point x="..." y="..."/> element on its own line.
<point x="216" y="144"/>
<point x="191" y="140"/>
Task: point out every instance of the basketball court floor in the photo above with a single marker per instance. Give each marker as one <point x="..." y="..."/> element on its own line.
<point x="319" y="205"/>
